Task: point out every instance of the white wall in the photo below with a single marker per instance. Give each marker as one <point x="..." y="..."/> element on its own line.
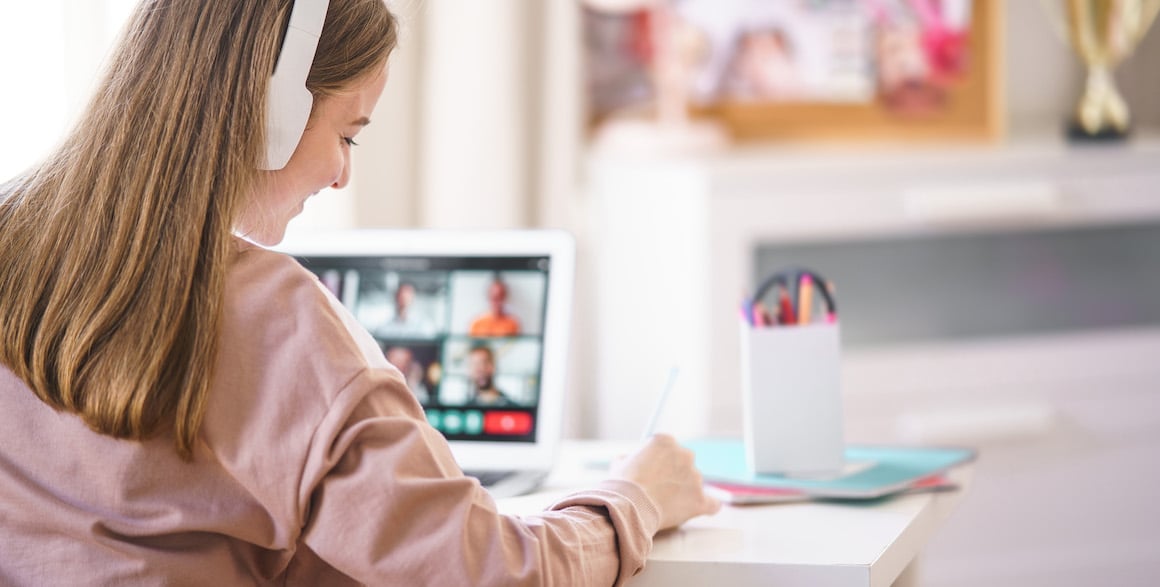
<point x="386" y="178"/>
<point x="477" y="96"/>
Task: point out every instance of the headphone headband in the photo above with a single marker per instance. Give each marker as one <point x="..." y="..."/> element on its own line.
<point x="289" y="103"/>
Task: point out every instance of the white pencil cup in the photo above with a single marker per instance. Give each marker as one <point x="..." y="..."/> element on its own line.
<point x="791" y="386"/>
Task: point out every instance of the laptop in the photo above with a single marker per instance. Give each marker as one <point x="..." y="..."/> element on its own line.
<point x="478" y="323"/>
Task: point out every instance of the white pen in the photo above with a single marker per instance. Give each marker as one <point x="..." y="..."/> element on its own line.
<point x="656" y="414"/>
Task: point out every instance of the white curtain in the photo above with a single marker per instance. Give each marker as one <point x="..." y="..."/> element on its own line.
<point x="50" y="54"/>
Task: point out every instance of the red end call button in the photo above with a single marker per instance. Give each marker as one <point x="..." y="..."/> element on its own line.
<point x="507" y="423"/>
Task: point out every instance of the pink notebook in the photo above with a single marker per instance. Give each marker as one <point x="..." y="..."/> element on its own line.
<point x="736" y="494"/>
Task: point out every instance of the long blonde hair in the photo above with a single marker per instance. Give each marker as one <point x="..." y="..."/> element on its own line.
<point x="114" y="250"/>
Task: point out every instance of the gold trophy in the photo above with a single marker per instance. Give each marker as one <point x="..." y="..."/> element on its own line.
<point x="1103" y="33"/>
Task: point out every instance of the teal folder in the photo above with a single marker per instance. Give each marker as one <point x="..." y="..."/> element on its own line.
<point x="871" y="471"/>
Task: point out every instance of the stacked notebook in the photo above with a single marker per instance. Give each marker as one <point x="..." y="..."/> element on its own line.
<point x="871" y="472"/>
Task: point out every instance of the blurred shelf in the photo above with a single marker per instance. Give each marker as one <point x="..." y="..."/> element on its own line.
<point x="1019" y="157"/>
<point x="812" y="192"/>
<point x="802" y="162"/>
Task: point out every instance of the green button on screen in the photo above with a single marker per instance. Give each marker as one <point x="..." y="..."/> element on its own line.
<point x="453" y="422"/>
<point x="473" y="422"/>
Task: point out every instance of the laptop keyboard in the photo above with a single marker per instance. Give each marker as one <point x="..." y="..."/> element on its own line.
<point x="489" y="478"/>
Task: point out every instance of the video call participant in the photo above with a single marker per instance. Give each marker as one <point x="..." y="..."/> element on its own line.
<point x="404" y="359"/>
<point x="481" y="370"/>
<point x="497" y="321"/>
<point x="406" y="320"/>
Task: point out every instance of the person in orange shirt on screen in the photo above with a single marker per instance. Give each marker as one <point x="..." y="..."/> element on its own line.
<point x="497" y="321"/>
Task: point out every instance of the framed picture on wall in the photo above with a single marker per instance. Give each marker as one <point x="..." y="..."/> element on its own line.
<point x="813" y="70"/>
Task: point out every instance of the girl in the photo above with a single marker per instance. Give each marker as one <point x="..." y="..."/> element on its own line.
<point x="180" y="406"/>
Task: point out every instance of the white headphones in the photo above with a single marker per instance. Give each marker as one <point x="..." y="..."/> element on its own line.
<point x="289" y="103"/>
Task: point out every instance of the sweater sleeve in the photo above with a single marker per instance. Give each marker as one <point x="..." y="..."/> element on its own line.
<point x="628" y="509"/>
<point x="314" y="423"/>
<point x="389" y="505"/>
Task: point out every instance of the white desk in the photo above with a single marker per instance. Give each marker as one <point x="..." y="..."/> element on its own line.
<point x="809" y="544"/>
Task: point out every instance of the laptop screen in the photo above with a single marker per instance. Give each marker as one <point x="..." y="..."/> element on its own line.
<point x="467" y="332"/>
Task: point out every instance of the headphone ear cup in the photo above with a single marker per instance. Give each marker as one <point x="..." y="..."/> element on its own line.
<point x="288" y="110"/>
<point x="288" y="102"/>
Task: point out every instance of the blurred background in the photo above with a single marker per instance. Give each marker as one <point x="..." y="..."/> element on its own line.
<point x="997" y="268"/>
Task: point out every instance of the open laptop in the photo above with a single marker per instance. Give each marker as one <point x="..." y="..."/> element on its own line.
<point x="478" y="323"/>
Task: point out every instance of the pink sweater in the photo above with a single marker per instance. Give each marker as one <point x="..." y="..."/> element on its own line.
<point x="315" y="467"/>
